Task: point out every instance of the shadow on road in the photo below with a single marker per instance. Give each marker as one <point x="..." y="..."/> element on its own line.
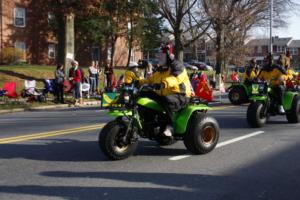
<point x="275" y="177"/>
<point x="76" y="151"/>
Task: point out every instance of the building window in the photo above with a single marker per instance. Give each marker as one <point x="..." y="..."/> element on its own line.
<point x="20" y="50"/>
<point x="294" y="51"/>
<point x="109" y="53"/>
<point x="51" y="17"/>
<point x="19" y="17"/>
<point x="259" y="49"/>
<point x="95" y="53"/>
<point x="51" y="51"/>
<point x="280" y="49"/>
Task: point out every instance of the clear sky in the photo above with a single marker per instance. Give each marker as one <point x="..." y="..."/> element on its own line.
<point x="292" y="29"/>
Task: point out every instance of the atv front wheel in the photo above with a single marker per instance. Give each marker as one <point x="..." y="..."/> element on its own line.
<point x="237" y="96"/>
<point x="293" y="116"/>
<point x="111" y="141"/>
<point x="202" y="135"/>
<point x="256" y="117"/>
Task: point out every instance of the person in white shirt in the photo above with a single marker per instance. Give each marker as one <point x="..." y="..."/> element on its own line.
<point x="93" y="75"/>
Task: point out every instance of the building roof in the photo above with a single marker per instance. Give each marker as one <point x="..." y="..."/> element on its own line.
<point x="294" y="44"/>
<point x="259" y="42"/>
<point x="266" y="41"/>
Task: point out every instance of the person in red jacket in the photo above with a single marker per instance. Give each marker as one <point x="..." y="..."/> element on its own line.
<point x="75" y="76"/>
<point x="234" y="76"/>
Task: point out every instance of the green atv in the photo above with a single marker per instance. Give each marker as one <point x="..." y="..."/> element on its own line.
<point x="141" y="117"/>
<point x="239" y="93"/>
<point x="263" y="105"/>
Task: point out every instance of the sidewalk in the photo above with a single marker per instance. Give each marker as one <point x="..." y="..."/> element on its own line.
<point x="58" y="106"/>
<point x="215" y="102"/>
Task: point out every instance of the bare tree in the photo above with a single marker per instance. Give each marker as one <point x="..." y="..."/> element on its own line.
<point x="185" y="20"/>
<point x="232" y="19"/>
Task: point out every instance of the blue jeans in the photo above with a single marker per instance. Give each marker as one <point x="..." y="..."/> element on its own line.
<point x="93" y="84"/>
<point x="77" y="94"/>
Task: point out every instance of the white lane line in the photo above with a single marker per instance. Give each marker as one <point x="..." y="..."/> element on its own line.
<point x="174" y="158"/>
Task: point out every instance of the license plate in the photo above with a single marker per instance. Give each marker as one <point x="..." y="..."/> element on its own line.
<point x="255" y="88"/>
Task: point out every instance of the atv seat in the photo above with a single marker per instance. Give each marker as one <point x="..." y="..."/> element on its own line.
<point x="196" y="100"/>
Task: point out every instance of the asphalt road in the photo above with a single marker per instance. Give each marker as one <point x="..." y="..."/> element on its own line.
<point x="63" y="161"/>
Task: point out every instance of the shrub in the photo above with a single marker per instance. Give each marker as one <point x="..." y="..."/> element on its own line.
<point x="13" y="55"/>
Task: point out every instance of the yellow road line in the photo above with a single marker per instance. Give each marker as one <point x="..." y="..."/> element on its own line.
<point x="49" y="134"/>
<point x="65" y="131"/>
<point x="221" y="107"/>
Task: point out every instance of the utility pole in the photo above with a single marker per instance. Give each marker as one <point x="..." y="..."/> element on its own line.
<point x="271" y="26"/>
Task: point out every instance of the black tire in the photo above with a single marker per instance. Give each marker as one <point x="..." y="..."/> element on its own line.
<point x="293" y="116"/>
<point x="237" y="96"/>
<point x="110" y="146"/>
<point x="202" y="135"/>
<point x="255" y="116"/>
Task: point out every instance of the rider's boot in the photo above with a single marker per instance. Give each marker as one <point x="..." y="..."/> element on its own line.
<point x="281" y="110"/>
<point x="168" y="131"/>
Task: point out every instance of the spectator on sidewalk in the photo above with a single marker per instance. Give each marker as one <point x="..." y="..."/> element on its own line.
<point x="59" y="83"/>
<point x="109" y="72"/>
<point x="234" y="76"/>
<point x="93" y="76"/>
<point x="76" y="77"/>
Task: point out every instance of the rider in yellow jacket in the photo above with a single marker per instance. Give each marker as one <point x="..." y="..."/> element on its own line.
<point x="131" y="74"/>
<point x="171" y="85"/>
<point x="291" y="74"/>
<point x="251" y="72"/>
<point x="275" y="74"/>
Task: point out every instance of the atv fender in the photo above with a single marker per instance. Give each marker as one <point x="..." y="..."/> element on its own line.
<point x="258" y="98"/>
<point x="119" y="113"/>
<point x="288" y="99"/>
<point x="181" y="119"/>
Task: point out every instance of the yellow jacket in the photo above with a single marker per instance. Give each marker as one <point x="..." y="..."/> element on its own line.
<point x="276" y="76"/>
<point x="291" y="74"/>
<point x="253" y="75"/>
<point x="172" y="84"/>
<point x="130" y="76"/>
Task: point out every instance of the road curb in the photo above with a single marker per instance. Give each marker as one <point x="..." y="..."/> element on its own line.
<point x="85" y="104"/>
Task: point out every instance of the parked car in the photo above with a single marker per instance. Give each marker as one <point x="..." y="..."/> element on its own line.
<point x="188" y="66"/>
<point x="153" y="61"/>
<point x="201" y="65"/>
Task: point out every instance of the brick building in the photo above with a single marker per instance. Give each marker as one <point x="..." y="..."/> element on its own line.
<point x="24" y="27"/>
<point x="259" y="48"/>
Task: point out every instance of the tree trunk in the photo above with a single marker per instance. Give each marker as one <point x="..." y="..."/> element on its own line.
<point x="178" y="49"/>
<point x="220" y="49"/>
<point x="113" y="47"/>
<point x="130" y="40"/>
<point x="69" y="41"/>
<point x="60" y="39"/>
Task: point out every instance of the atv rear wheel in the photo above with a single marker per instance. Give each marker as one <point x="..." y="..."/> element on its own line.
<point x="293" y="116"/>
<point x="111" y="143"/>
<point x="237" y="96"/>
<point x="202" y="135"/>
<point x="256" y="117"/>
